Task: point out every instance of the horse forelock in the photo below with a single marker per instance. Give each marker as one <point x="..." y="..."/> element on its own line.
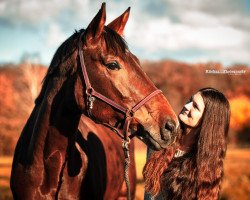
<point x="114" y="41"/>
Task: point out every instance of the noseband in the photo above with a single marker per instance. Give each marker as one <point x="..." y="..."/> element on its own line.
<point x="128" y="113"/>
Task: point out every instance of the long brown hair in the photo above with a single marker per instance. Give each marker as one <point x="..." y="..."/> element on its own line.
<point x="197" y="174"/>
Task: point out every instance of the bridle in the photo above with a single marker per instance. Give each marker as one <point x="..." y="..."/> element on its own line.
<point x="129" y="113"/>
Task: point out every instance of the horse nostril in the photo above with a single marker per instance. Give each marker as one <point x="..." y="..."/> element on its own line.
<point x="170" y="126"/>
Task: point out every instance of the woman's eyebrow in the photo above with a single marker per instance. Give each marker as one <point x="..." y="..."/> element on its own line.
<point x="197" y="105"/>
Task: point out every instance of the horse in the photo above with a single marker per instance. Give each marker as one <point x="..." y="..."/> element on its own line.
<point x="63" y="151"/>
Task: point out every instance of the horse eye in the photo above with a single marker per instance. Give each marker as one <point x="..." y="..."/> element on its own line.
<point x="113" y="65"/>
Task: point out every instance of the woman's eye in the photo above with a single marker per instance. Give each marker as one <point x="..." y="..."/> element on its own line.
<point x="113" y="65"/>
<point x="196" y="107"/>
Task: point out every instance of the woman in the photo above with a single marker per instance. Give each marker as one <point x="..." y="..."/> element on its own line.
<point x="193" y="167"/>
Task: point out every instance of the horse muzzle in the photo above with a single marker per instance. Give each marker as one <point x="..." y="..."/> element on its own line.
<point x="158" y="140"/>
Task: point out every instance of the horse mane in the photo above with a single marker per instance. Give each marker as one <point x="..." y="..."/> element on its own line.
<point x="60" y="63"/>
<point x="64" y="51"/>
<point x="114" y="41"/>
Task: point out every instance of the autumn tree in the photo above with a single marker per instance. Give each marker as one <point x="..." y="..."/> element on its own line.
<point x="240" y="118"/>
<point x="29" y="83"/>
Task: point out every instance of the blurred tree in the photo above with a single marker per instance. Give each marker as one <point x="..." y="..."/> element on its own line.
<point x="240" y="112"/>
<point x="29" y="83"/>
<point x="19" y="86"/>
<point x="6" y="91"/>
<point x="243" y="137"/>
<point x="240" y="118"/>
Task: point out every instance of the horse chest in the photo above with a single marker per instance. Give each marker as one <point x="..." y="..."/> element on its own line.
<point x="105" y="171"/>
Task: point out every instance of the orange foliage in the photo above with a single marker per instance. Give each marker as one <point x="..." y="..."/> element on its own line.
<point x="6" y="92"/>
<point x="20" y="85"/>
<point x="240" y="112"/>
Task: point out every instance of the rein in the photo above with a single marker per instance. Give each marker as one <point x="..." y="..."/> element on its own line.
<point x="128" y="113"/>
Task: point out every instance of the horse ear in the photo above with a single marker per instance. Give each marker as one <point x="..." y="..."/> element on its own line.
<point x="119" y="23"/>
<point x="96" y="26"/>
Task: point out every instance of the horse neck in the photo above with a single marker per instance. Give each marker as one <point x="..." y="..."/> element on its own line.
<point x="54" y="129"/>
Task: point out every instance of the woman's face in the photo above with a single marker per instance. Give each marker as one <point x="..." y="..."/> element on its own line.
<point x="192" y="112"/>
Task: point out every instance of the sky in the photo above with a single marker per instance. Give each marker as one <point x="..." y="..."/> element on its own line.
<point x="193" y="31"/>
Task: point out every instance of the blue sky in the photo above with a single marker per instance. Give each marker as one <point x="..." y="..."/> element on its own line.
<point x="185" y="30"/>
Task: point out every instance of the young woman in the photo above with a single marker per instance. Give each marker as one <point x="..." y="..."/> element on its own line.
<point x="193" y="167"/>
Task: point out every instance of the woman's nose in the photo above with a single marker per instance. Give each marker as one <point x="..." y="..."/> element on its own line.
<point x="188" y="105"/>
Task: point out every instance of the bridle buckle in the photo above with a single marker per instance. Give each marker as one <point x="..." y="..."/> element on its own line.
<point x="125" y="146"/>
<point x="91" y="100"/>
<point x="129" y="113"/>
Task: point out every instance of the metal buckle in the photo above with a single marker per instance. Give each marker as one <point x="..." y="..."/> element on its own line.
<point x="125" y="147"/>
<point x="91" y="100"/>
<point x="129" y="114"/>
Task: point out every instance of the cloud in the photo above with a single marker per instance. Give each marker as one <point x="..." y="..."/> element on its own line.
<point x="164" y="34"/>
<point x="28" y="12"/>
<point x="35" y="12"/>
<point x="216" y="29"/>
<point x="156" y="29"/>
<point x="55" y="36"/>
<point x="219" y="7"/>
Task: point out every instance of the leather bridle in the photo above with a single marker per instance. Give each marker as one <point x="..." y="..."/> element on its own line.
<point x="129" y="113"/>
<point x="92" y="94"/>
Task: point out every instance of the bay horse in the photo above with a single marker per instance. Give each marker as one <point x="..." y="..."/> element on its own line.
<point x="62" y="152"/>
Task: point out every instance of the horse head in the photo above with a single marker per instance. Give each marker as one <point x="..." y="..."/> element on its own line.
<point x="116" y="73"/>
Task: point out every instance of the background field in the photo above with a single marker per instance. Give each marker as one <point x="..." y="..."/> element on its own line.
<point x="20" y="84"/>
<point x="236" y="185"/>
